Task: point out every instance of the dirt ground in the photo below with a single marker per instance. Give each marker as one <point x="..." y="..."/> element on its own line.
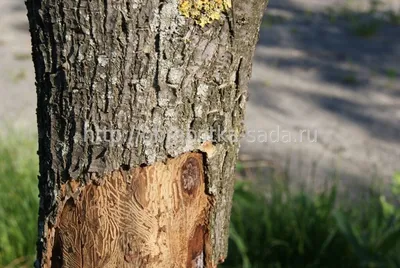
<point x="313" y="71"/>
<point x="320" y="66"/>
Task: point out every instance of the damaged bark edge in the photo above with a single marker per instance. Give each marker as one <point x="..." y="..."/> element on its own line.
<point x="153" y="216"/>
<point x="135" y="66"/>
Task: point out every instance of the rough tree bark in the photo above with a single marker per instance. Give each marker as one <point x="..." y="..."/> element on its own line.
<point x="111" y="72"/>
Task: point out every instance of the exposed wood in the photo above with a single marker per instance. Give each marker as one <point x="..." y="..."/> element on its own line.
<point x="154" y="216"/>
<point x="127" y="69"/>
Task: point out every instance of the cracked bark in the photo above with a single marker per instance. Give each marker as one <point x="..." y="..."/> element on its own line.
<point x="137" y="67"/>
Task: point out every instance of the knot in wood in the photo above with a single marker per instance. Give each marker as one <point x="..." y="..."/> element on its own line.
<point x="130" y="256"/>
<point x="190" y="175"/>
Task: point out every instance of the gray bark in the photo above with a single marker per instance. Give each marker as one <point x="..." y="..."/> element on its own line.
<point x="138" y="67"/>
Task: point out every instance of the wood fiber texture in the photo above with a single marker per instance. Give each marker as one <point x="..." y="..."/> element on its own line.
<point x="138" y="67"/>
<point x="147" y="217"/>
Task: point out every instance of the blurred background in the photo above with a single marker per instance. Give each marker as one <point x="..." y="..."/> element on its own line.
<point x="327" y="69"/>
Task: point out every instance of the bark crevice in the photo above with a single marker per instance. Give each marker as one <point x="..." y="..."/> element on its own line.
<point x="134" y="68"/>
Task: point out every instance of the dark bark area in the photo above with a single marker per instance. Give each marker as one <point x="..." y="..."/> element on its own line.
<point x="137" y="67"/>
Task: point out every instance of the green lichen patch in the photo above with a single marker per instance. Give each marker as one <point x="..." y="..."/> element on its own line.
<point x="204" y="12"/>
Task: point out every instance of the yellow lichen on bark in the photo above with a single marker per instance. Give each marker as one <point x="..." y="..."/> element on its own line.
<point x="204" y="12"/>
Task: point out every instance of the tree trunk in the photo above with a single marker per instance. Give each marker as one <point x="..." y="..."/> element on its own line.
<point x="139" y="107"/>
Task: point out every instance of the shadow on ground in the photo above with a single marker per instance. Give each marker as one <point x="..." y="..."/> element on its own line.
<point x="337" y="55"/>
<point x="333" y="68"/>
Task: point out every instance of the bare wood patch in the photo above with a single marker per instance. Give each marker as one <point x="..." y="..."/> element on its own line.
<point x="154" y="216"/>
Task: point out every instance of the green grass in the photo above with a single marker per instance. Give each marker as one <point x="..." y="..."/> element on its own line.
<point x="270" y="227"/>
<point x="19" y="76"/>
<point x="365" y="27"/>
<point x="393" y="17"/>
<point x="22" y="56"/>
<point x="391" y="73"/>
<point x="350" y="79"/>
<point x="282" y="228"/>
<point x="18" y="200"/>
<point x="364" y="24"/>
<point x="272" y="19"/>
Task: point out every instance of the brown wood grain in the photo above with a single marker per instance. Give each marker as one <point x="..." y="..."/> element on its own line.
<point x="153" y="216"/>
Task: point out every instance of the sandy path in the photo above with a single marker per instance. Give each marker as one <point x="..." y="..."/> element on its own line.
<point x="309" y="73"/>
<point x="314" y="74"/>
<point x="17" y="91"/>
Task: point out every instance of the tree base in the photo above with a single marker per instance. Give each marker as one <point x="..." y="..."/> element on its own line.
<point x="154" y="216"/>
